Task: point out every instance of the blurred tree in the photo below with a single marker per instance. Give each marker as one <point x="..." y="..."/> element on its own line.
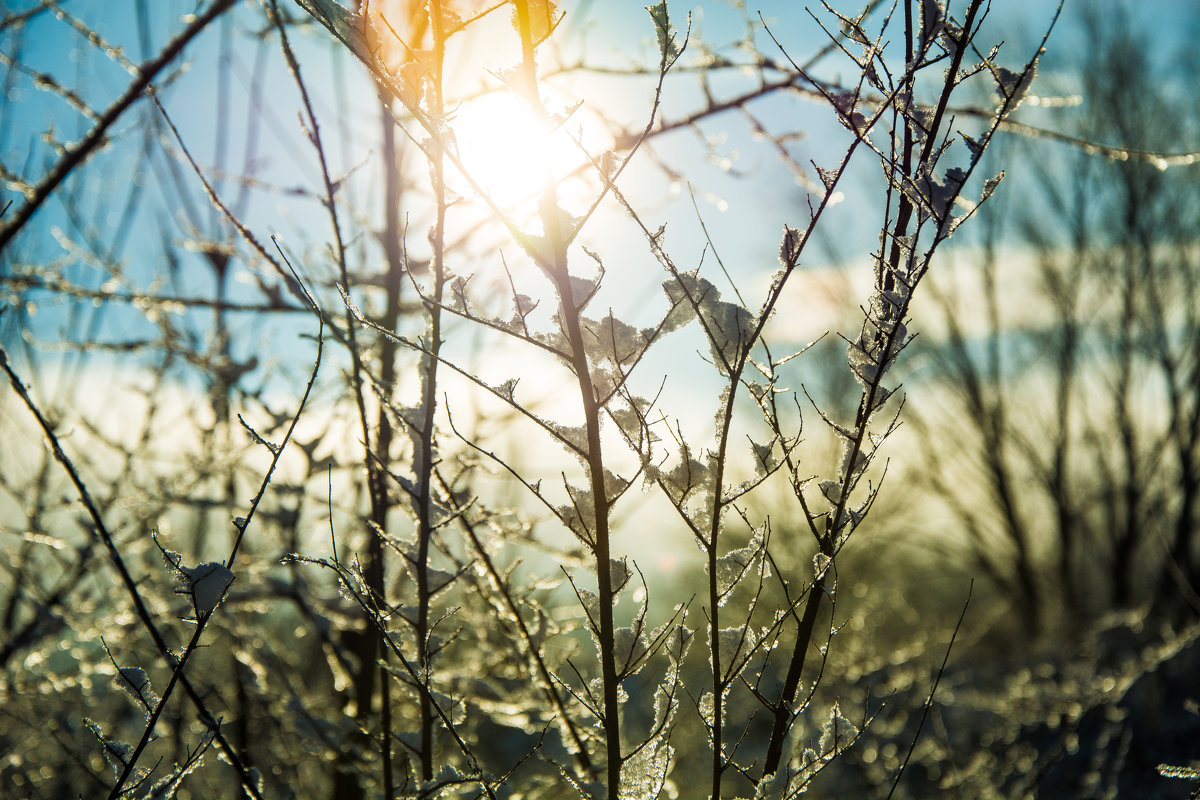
<point x="1072" y="374"/>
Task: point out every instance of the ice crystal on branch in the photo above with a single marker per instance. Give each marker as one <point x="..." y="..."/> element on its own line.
<point x="729" y="327"/>
<point x="735" y="564"/>
<point x="1012" y="87"/>
<point x="204" y="584"/>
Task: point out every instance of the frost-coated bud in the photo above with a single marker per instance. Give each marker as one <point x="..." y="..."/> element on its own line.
<point x="789" y="248"/>
<point x="207" y="583"/>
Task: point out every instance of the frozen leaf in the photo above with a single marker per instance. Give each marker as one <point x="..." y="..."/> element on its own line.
<point x="732" y="566"/>
<point x="846" y="468"/>
<point x="582" y="290"/>
<point x="522" y="306"/>
<point x="542" y="19"/>
<point x="764" y="458"/>
<point x="938" y="196"/>
<point x="207" y="584"/>
<point x="612" y="340"/>
<point x="951" y="36"/>
<point x="975" y="147"/>
<point x="630" y="648"/>
<point x="115" y="752"/>
<point x="828" y="177"/>
<point x="845" y="104"/>
<point x="933" y="17"/>
<point x="134" y="681"/>
<point x="341" y="22"/>
<point x="730" y="327"/>
<point x="667" y="46"/>
<point x="678" y="642"/>
<point x="789" y="248"/>
<point x="990" y="185"/>
<point x="507" y="389"/>
<point x="591" y="605"/>
<point x="832" y="491"/>
<point x="688" y="476"/>
<point x="579" y="516"/>
<point x="437" y="579"/>
<point x="707" y="708"/>
<point x="852" y="28"/>
<point x="575" y="438"/>
<point x="837" y="733"/>
<point x="1012" y="87"/>
<point x="458" y="290"/>
<point x="619" y="570"/>
<point x="644" y="774"/>
<point x="734" y="642"/>
<point x="417" y="67"/>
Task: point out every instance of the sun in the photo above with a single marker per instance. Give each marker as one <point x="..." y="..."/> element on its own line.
<point x="509" y="154"/>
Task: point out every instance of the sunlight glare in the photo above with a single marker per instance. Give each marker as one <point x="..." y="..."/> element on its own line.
<point x="509" y="154"/>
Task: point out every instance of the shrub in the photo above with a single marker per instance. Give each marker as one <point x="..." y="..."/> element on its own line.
<point x="431" y="583"/>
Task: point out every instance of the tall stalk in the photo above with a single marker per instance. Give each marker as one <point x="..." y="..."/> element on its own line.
<point x="569" y="313"/>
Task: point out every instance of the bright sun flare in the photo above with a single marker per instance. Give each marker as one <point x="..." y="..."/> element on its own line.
<point x="507" y="151"/>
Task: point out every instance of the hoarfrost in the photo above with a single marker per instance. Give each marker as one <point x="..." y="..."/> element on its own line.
<point x="630" y="648"/>
<point x="613" y="340"/>
<point x="732" y="566"/>
<point x="678" y="642"/>
<point x="575" y="438"/>
<point x="706" y="707"/>
<point x="208" y="584"/>
<point x="734" y="642"/>
<point x="205" y="583"/>
<point x="832" y="491"/>
<point x="764" y="459"/>
<point x="116" y="752"/>
<point x="683" y="479"/>
<point x="1187" y="773"/>
<point x="837" y="733"/>
<point x="135" y="682"/>
<point x="829" y="178"/>
<point x="789" y="248"/>
<point x="729" y="327"/>
<point x="582" y="291"/>
<point x="861" y="459"/>
<point x="975" y="147"/>
<point x="990" y="186"/>
<point x="933" y="18"/>
<point x="507" y="389"/>
<point x="644" y="774"/>
<point x="458" y="290"/>
<point x="619" y="570"/>
<point x="845" y="104"/>
<point x="1012" y="87"/>
<point x="591" y="605"/>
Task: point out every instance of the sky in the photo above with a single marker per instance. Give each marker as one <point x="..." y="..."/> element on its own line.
<point x="721" y="193"/>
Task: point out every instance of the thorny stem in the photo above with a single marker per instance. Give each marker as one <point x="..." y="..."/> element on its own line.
<point x="782" y="711"/>
<point x="714" y="602"/>
<point x="127" y="580"/>
<point x="532" y="647"/>
<point x="96" y="137"/>
<point x="429" y="399"/>
<point x="904" y="214"/>
<point x="387" y="376"/>
<point x="365" y="643"/>
<point x="570" y="318"/>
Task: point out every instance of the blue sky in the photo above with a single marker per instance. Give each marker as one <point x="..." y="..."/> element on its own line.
<point x="744" y="200"/>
